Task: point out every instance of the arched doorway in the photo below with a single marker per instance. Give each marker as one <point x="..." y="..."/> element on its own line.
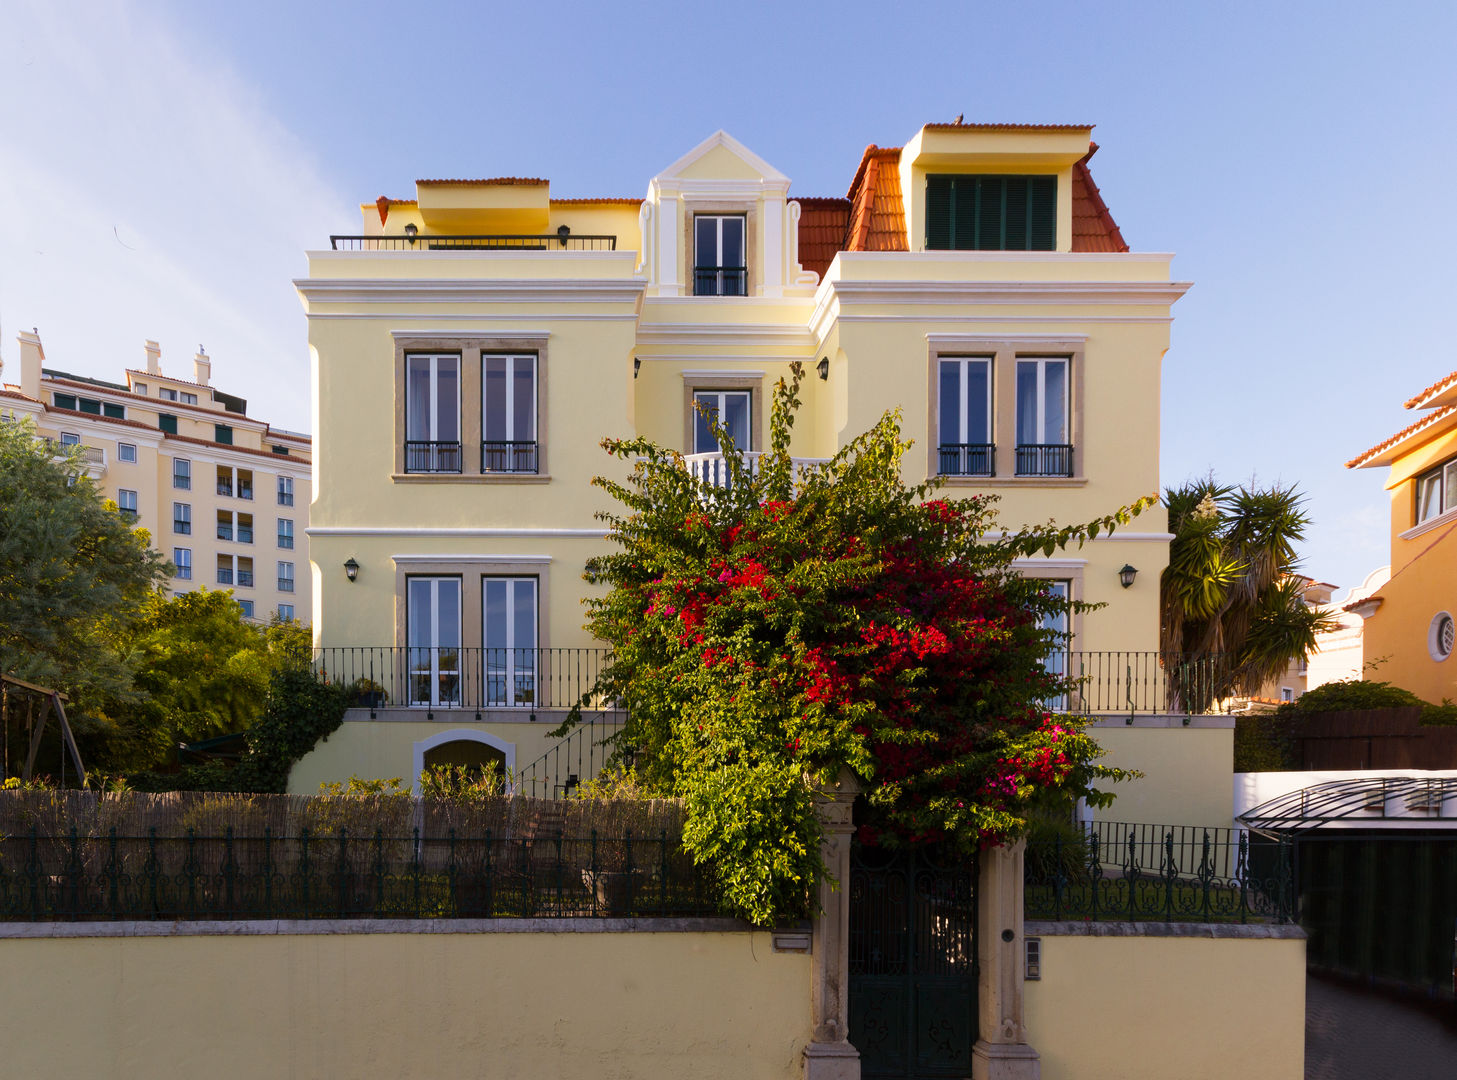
<point x="465" y="747"/>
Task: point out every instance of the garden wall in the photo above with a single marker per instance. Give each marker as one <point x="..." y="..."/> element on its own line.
<point x="1187" y="770"/>
<point x="1128" y="1001"/>
<point x="419" y="999"/>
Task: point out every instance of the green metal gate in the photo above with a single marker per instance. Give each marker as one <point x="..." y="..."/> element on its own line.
<point x="913" y="964"/>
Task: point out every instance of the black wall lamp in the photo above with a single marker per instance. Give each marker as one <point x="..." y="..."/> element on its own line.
<point x="412" y="230"/>
<point x="351" y="568"/>
<point x="1126" y="575"/>
<point x="562" y="232"/>
<point x="636" y="366"/>
<point x="823" y="367"/>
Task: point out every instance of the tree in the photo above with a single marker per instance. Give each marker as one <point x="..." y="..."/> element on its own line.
<point x="1232" y="611"/>
<point x="771" y="632"/>
<point x="73" y="572"/>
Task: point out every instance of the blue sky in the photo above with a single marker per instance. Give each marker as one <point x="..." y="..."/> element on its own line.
<point x="164" y="166"/>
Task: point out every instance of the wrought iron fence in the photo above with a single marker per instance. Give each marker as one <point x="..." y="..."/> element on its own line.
<point x="967" y="459"/>
<point x="720" y="280"/>
<point x="501" y="456"/>
<point x="1044" y="459"/>
<point x="338" y="875"/>
<point x="580" y="756"/>
<point x="424" y="456"/>
<point x="465" y="678"/>
<point x="476" y="242"/>
<point x="1160" y="873"/>
<point x="1131" y="683"/>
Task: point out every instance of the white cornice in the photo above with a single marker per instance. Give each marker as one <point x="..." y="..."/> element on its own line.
<point x="736" y="335"/>
<point x="468" y="290"/>
<point x="721" y="373"/>
<point x="406" y="336"/>
<point x="472" y="557"/>
<point x="971" y="340"/>
<point x="1009" y="292"/>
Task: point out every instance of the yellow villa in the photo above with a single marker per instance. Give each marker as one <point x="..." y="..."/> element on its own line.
<point x="473" y="344"/>
<point x="225" y="495"/>
<point x="1409" y="629"/>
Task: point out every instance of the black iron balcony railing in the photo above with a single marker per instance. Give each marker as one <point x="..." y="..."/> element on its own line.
<point x="225" y="577"/>
<point x="181" y="527"/>
<point x="967" y="459"/>
<point x="245" y="578"/>
<point x="225" y="488"/>
<point x="720" y="280"/>
<point x="558" y="241"/>
<point x="245" y="534"/>
<point x="508" y="457"/>
<point x="225" y="532"/>
<point x="285" y="584"/>
<point x="427" y="457"/>
<point x="1044" y="459"/>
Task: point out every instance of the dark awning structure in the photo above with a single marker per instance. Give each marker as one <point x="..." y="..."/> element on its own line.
<point x="1401" y="802"/>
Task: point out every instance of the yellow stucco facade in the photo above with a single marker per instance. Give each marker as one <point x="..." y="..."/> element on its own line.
<point x="1409" y="620"/>
<point x="617" y="323"/>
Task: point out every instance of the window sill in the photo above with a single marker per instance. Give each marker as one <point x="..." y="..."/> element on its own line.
<point x="1016" y="481"/>
<point x="470" y="478"/>
<point x="1445" y="518"/>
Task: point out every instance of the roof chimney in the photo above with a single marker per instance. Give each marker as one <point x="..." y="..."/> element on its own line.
<point x="154" y="358"/>
<point x="32" y="356"/>
<point x="201" y="367"/>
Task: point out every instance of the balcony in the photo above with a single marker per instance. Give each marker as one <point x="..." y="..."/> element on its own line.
<point x="713" y="468"/>
<point x="1044" y="459"/>
<point x="720" y="280"/>
<point x="225" y="575"/>
<point x="508" y="457"/>
<point x="966" y="459"/>
<point x="93" y="458"/>
<point x="425" y="457"/>
<point x="245" y="578"/>
<point x="561" y="240"/>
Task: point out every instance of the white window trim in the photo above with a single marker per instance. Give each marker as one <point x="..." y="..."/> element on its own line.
<point x="1041" y="410"/>
<point x="121" y="450"/>
<point x="722" y="395"/>
<point x="434" y="359"/>
<point x="460" y="735"/>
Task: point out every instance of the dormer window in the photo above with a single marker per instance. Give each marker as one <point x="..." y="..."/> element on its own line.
<point x="991" y="213"/>
<point x="719" y="266"/>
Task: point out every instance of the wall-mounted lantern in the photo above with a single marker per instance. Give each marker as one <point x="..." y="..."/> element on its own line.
<point x="823" y="367"/>
<point x="351" y="568"/>
<point x="1126" y="575"/>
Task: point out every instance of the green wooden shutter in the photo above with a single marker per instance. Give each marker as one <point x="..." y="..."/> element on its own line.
<point x="90" y="405"/>
<point x="1041" y="213"/>
<point x="167" y="422"/>
<point x="222" y="433"/>
<point x="939" y="214"/>
<point x="64" y="401"/>
<point x="116" y="412"/>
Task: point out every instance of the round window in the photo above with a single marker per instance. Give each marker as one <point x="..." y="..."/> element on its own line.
<point x="1441" y="636"/>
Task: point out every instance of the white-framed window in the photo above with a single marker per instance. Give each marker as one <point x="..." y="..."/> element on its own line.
<point x="285" y="577"/>
<point x="432" y="413"/>
<point x="508" y="414"/>
<point x="285" y="491"/>
<point x="235" y="526"/>
<point x="166" y="393"/>
<point x="70" y="438"/>
<point x="236" y="570"/>
<point x="1441" y="636"/>
<point x="964" y="410"/>
<point x="719" y="266"/>
<point x="1044" y="444"/>
<point x="508" y="635"/>
<point x="285" y="532"/>
<point x="188" y="398"/>
<point x="126" y="502"/>
<point x="733" y="408"/>
<point x="126" y="452"/>
<point x="182" y="518"/>
<point x="182" y="474"/>
<point x="1056" y="623"/>
<point x="432" y="631"/>
<point x="1437" y="491"/>
<point x="285" y="612"/>
<point x="182" y="559"/>
<point x="139" y="388"/>
<point x="1287" y="693"/>
<point x="247" y="606"/>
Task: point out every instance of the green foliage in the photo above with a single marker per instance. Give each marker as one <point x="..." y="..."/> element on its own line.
<point x="462" y="785"/>
<point x="1348" y="694"/>
<point x="1264" y="742"/>
<point x="772" y="632"/>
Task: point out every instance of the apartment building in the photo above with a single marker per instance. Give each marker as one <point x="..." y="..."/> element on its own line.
<point x="473" y="344"/>
<point x="225" y="496"/>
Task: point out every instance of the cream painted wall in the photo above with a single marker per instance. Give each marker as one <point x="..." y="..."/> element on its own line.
<point x="528" y="1005"/>
<point x="1196" y="1008"/>
<point x="1187" y="771"/>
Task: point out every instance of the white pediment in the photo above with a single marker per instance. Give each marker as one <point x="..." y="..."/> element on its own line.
<point x="719" y="158"/>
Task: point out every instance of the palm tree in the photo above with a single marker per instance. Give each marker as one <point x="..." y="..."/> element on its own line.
<point x="1232" y="611"/>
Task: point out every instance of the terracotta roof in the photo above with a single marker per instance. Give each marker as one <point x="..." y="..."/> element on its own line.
<point x="1436" y="387"/>
<point x="959" y="126"/>
<point x="17" y="394"/>
<point x="168" y="378"/>
<point x="1411" y="429"/>
<point x="103" y="419"/>
<point x="395" y="202"/>
<point x="1093" y="226"/>
<point x="605" y="200"/>
<point x="877" y="212"/>
<point x="503" y="181"/>
<point x="229" y="446"/>
<point x="822" y="224"/>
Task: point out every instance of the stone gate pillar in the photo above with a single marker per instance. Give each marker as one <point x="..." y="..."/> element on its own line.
<point x="1002" y="1051"/>
<point x="829" y="1055"/>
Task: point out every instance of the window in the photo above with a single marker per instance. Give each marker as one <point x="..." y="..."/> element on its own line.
<point x="279" y="449"/>
<point x="508" y="414"/>
<point x="126" y="502"/>
<point x="127" y="452"/>
<point x="1437" y="491"/>
<point x="285" y="491"/>
<point x="285" y="532"/>
<point x="139" y="388"/>
<point x="1441" y="636"/>
<point x="182" y="474"/>
<point x="991" y="213"/>
<point x="166" y="393"/>
<point x="508" y="633"/>
<point x="1287" y="693"/>
<point x="247" y="606"/>
<point x="116" y="412"/>
<point x="182" y="559"/>
<point x="89" y="405"/>
<point x="285" y="612"/>
<point x="245" y="483"/>
<point x="222" y="433"/>
<point x="432" y="628"/>
<point x="235" y="526"/>
<point x="732" y="409"/>
<point x="719" y="267"/>
<point x="285" y="577"/>
<point x="189" y="399"/>
<point x="225" y="525"/>
<point x="432" y="413"/>
<point x="182" y="518"/>
<point x="1043" y="444"/>
<point x="64" y="401"/>
<point x="1056" y="624"/>
<point x="965" y="409"/>
<point x="235" y="570"/>
<point x="167" y="422"/>
<point x="70" y="438"/>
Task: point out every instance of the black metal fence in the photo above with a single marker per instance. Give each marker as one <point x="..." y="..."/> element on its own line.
<point x="1160" y="873"/>
<point x="500" y="456"/>
<point x="476" y="242"/>
<point x="339" y="875"/>
<point x="579" y="757"/>
<point x="720" y="280"/>
<point x="967" y="459"/>
<point x="1132" y="683"/>
<point x="1044" y="459"/>
<point x="424" y="456"/>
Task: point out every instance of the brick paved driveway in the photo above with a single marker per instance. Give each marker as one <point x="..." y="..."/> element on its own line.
<point x="1354" y="1035"/>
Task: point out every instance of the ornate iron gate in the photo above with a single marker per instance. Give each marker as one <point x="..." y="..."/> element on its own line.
<point x="913" y="964"/>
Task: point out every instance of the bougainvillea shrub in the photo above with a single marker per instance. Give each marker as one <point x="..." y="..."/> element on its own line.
<point x="796" y="621"/>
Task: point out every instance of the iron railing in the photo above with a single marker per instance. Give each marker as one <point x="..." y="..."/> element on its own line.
<point x="225" y="577"/>
<point x="713" y="467"/>
<point x="340" y="875"/>
<point x="285" y="498"/>
<point x="425" y="456"/>
<point x="582" y="755"/>
<point x="967" y="459"/>
<point x="225" y="488"/>
<point x="506" y="456"/>
<point x="558" y="241"/>
<point x="1160" y="873"/>
<point x="1131" y="683"/>
<point x="245" y="578"/>
<point x="720" y="280"/>
<point x="1044" y="459"/>
<point x="464" y="678"/>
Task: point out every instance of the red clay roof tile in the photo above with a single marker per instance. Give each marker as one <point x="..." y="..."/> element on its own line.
<point x="605" y="200"/>
<point x="505" y="181"/>
<point x="1440" y="384"/>
<point x="1093" y="226"/>
<point x="958" y="125"/>
<point x="877" y="211"/>
<point x="822" y="225"/>
<point x="1411" y="429"/>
